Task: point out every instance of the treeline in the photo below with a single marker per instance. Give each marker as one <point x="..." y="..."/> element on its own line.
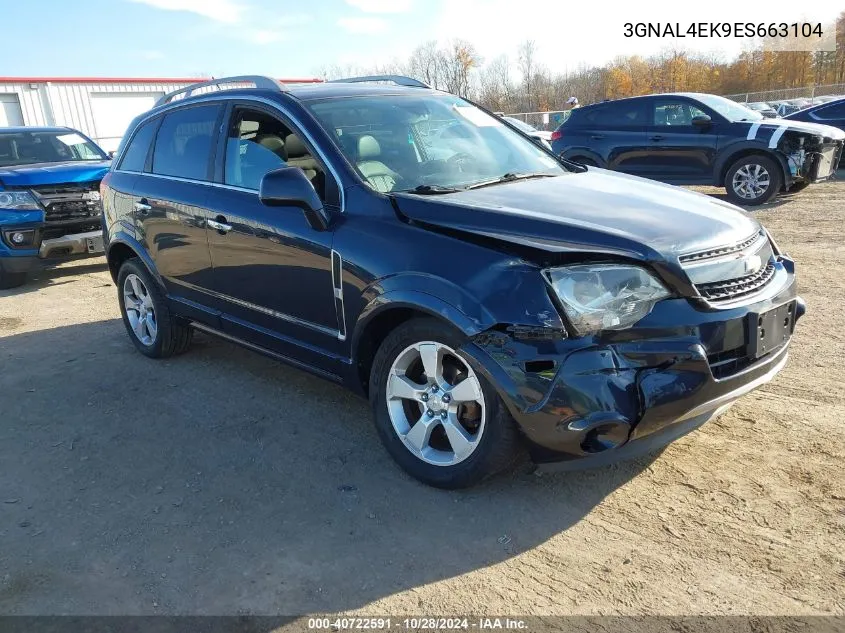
<point x="524" y="84"/>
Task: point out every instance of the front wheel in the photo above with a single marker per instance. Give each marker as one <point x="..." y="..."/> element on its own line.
<point x="439" y="419"/>
<point x="753" y="180"/>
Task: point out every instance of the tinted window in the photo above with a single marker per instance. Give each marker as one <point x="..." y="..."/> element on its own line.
<point x="135" y="156"/>
<point x="675" y="113"/>
<point x="835" y="111"/>
<point x="622" y="114"/>
<point x="184" y="142"/>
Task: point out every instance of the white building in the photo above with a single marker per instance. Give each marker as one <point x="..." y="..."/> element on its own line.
<point x="101" y="107"/>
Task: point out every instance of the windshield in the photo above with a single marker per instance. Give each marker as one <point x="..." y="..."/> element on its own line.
<point x="522" y="125"/>
<point x="403" y="143"/>
<point x="27" y="148"/>
<point x="731" y="110"/>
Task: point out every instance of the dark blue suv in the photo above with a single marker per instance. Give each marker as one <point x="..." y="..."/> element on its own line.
<point x="701" y="139"/>
<point x="485" y="295"/>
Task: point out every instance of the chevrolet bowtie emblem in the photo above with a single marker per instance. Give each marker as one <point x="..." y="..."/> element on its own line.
<point x="753" y="263"/>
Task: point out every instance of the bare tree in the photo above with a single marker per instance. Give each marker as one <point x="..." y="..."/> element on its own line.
<point x="460" y="59"/>
<point x="527" y="63"/>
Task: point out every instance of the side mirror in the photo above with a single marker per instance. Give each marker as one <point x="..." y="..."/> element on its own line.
<point x="702" y="121"/>
<point x="290" y="187"/>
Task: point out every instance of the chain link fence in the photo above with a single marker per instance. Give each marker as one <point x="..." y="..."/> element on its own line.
<point x="808" y="92"/>
<point x="547" y="121"/>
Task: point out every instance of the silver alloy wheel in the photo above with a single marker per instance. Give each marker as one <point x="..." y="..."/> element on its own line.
<point x="139" y="309"/>
<point x="751" y="181"/>
<point x="435" y="403"/>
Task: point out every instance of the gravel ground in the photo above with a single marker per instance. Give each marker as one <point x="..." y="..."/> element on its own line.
<point x="221" y="482"/>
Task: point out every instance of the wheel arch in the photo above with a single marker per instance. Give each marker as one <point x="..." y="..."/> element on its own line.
<point x="575" y="153"/>
<point x="123" y="247"/>
<point x="725" y="162"/>
<point x="388" y="311"/>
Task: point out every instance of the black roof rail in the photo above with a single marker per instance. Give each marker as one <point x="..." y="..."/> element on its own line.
<point x="399" y="80"/>
<point x="260" y="81"/>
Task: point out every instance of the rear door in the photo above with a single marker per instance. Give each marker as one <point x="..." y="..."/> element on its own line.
<point x="678" y="151"/>
<point x="615" y="131"/>
<point x="272" y="271"/>
<point x="171" y="197"/>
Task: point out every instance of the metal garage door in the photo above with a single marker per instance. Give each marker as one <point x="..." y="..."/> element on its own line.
<point x="114" y="111"/>
<point x="10" y="110"/>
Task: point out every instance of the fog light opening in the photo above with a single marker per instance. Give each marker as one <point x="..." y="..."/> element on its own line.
<point x="604" y="438"/>
<point x="18" y="238"/>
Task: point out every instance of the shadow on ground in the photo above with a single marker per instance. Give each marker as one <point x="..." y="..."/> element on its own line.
<point x="221" y="482"/>
<point x="54" y="273"/>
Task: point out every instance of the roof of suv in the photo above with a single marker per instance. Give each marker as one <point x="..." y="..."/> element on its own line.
<point x="689" y="95"/>
<point x="329" y="90"/>
<point x="34" y="128"/>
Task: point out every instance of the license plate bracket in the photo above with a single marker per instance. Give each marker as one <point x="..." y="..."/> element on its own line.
<point x="769" y="330"/>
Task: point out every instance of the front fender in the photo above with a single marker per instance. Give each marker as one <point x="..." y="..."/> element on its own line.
<point x="733" y="152"/>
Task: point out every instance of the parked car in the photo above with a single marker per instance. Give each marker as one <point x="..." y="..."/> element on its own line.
<point x="542" y="137"/>
<point x="49" y="198"/>
<point x="826" y="98"/>
<point x="496" y="299"/>
<point x="785" y="109"/>
<point x="763" y="108"/>
<point x="700" y="139"/>
<point x="830" y="112"/>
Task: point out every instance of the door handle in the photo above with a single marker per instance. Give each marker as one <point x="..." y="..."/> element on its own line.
<point x="219" y="224"/>
<point x="656" y="137"/>
<point x="142" y="207"/>
<point x="597" y="137"/>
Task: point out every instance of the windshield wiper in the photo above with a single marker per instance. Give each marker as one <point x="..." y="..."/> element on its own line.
<point x="509" y="177"/>
<point x="432" y="190"/>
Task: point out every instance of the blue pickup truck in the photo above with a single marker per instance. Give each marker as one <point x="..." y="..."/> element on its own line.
<point x="50" y="203"/>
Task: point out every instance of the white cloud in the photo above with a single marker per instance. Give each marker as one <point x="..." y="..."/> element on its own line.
<point x="227" y="11"/>
<point x="363" y="26"/>
<point x="381" y="6"/>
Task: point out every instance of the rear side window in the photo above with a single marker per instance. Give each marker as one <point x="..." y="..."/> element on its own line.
<point x="184" y="142"/>
<point x="135" y="156"/>
<point x="677" y="113"/>
<point x="835" y="111"/>
<point x="622" y="114"/>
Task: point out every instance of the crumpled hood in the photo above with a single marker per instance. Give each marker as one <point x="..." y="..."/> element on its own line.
<point x="598" y="211"/>
<point x="53" y="173"/>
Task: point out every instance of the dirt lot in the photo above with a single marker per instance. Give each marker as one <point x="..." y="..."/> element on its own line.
<point x="222" y="482"/>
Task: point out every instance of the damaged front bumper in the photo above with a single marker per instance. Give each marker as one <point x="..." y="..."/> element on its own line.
<point x="594" y="400"/>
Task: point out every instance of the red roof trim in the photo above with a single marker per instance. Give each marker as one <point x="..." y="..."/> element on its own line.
<point x="127" y="80"/>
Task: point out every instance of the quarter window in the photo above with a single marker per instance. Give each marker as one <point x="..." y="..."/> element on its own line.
<point x="835" y="111"/>
<point x="184" y="142"/>
<point x="135" y="156"/>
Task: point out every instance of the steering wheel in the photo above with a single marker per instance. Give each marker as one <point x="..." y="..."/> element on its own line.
<point x="459" y="159"/>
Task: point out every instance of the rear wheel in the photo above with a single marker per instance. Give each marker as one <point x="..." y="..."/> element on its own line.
<point x="753" y="180"/>
<point x="439" y="419"/>
<point x="154" y="331"/>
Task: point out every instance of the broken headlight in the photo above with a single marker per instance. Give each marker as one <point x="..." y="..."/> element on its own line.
<point x="18" y="201"/>
<point x="600" y="297"/>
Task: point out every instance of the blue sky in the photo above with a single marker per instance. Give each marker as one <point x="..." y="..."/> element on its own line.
<point x="296" y="38"/>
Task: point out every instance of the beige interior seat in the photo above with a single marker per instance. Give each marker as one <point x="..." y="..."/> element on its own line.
<point x="379" y="175"/>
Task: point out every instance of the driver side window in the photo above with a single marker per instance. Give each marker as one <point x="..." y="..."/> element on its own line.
<point x="258" y="143"/>
<point x="675" y="113"/>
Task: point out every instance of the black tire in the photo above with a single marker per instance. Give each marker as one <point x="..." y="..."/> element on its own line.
<point x="499" y="446"/>
<point x="774" y="170"/>
<point x="11" y="280"/>
<point x="173" y="335"/>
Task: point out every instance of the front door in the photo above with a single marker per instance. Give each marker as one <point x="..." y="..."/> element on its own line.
<point x="272" y="270"/>
<point x="679" y="151"/>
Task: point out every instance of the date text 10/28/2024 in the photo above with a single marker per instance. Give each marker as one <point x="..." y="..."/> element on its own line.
<point x="724" y="29"/>
<point x="417" y="624"/>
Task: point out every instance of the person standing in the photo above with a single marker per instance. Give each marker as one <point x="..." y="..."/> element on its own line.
<point x="572" y="102"/>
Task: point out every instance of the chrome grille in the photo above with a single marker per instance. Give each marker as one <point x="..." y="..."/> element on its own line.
<point x="733" y="289"/>
<point x="729" y="273"/>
